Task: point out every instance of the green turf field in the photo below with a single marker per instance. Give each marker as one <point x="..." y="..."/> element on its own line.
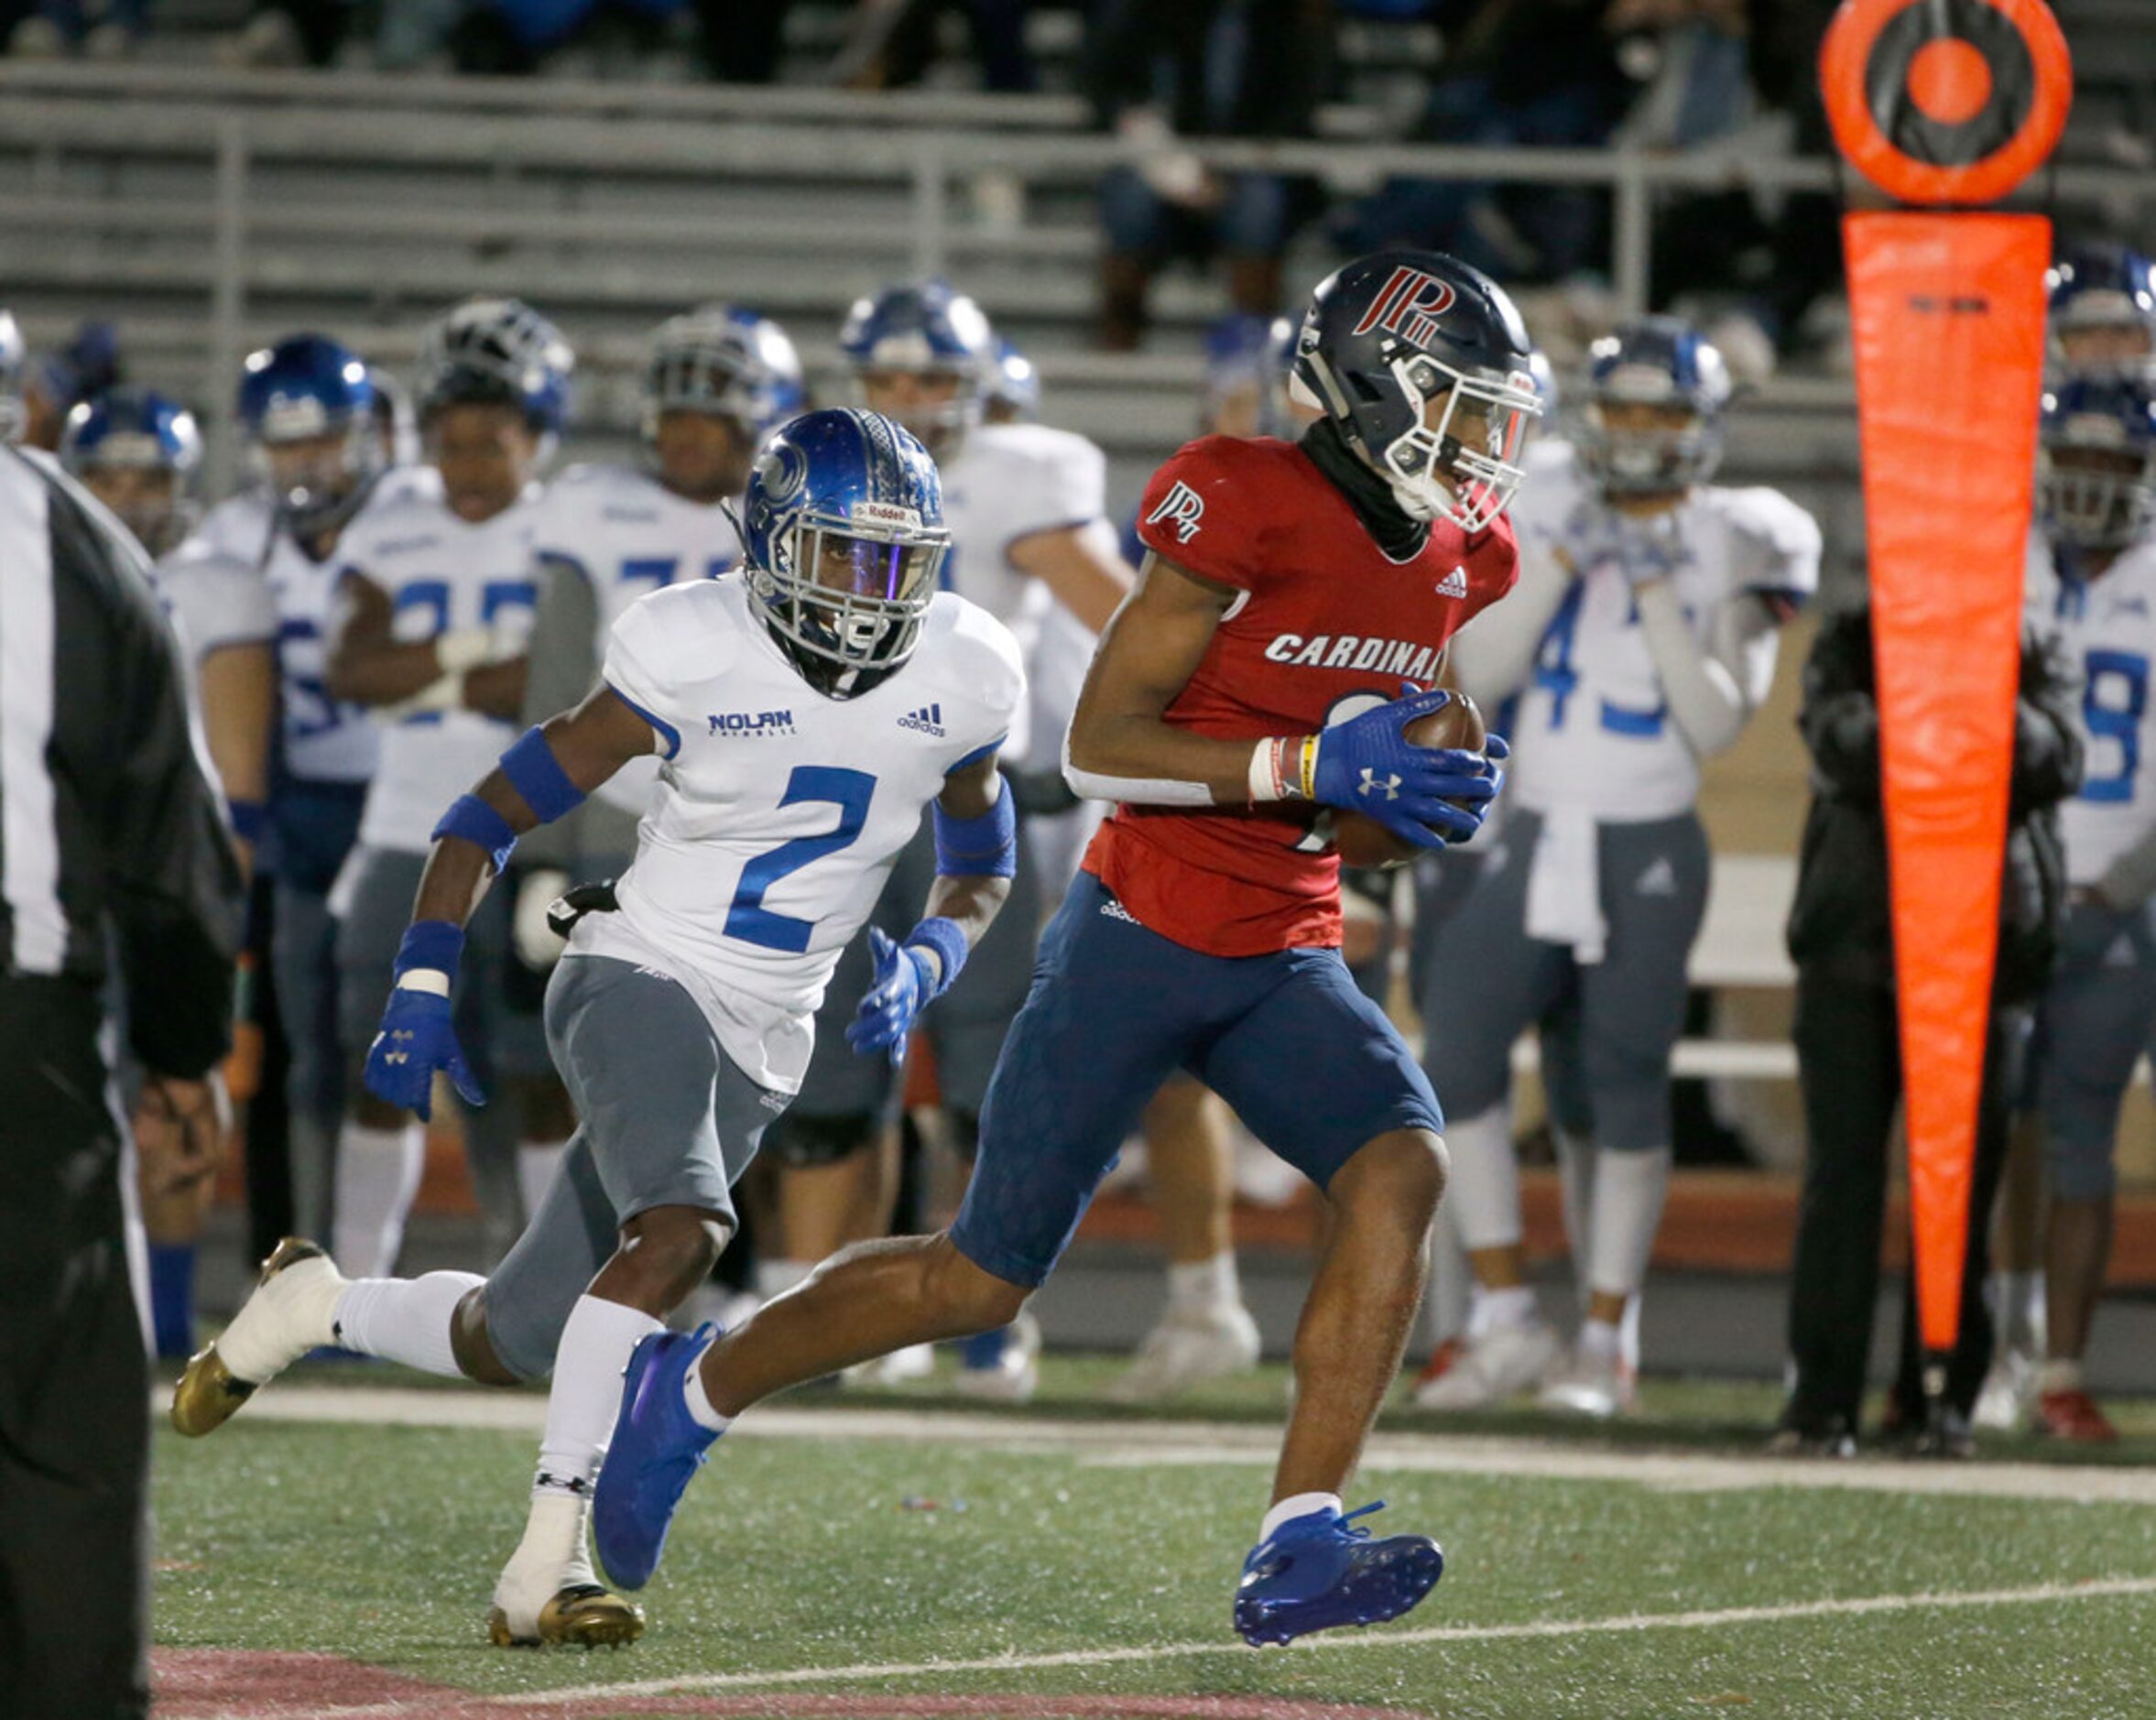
<point x="1093" y="1560"/>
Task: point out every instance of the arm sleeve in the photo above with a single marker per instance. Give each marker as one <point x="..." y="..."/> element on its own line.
<point x="1713" y="691"/>
<point x="1195" y="514"/>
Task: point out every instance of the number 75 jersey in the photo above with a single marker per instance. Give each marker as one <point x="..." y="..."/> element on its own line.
<point x="2107" y="627"/>
<point x="778" y="812"/>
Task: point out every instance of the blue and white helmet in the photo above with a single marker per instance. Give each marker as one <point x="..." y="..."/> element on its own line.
<point x="1245" y="352"/>
<point x="2096" y="461"/>
<point x="499" y="351"/>
<point x="1014" y="384"/>
<point x="925" y="328"/>
<point x="134" y="430"/>
<point x="2095" y="287"/>
<point x="1392" y="334"/>
<point x="15" y="362"/>
<point x="1659" y="362"/>
<point x="844" y="537"/>
<point x="724" y="361"/>
<point x="310" y="387"/>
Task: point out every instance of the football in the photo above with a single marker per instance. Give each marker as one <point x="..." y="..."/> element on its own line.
<point x="1364" y="842"/>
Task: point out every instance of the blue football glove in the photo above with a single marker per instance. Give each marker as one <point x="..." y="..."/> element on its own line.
<point x="904" y="983"/>
<point x="1368" y="764"/>
<point x="418" y="1036"/>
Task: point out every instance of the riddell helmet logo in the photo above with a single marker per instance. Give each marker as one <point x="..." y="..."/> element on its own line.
<point x="1409" y="305"/>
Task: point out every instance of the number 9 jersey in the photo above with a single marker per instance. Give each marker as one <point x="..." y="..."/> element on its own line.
<point x="778" y="812"/>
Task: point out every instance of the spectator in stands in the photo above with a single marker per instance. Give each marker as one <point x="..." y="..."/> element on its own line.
<point x="290" y="33"/>
<point x="1848" y="1054"/>
<point x="894" y="42"/>
<point x="1161" y="70"/>
<point x="104" y="29"/>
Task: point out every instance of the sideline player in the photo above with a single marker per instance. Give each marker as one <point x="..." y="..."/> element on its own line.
<point x="436" y="599"/>
<point x="2096" y="591"/>
<point x="1670" y="596"/>
<point x="716" y="381"/>
<point x="1250" y="682"/>
<point x="683" y="1019"/>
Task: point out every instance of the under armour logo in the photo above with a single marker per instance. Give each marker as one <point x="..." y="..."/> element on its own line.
<point x="1409" y="305"/>
<point x="1182" y="508"/>
<point x="1389" y="787"/>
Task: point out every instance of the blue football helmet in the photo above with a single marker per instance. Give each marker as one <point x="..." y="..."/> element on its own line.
<point x="2096" y="461"/>
<point x="925" y="328"/>
<point x="1251" y="353"/>
<point x="1392" y="335"/>
<point x="2107" y="290"/>
<point x="1014" y="385"/>
<point x="15" y="362"/>
<point x="844" y="539"/>
<point x="1654" y="362"/>
<point x="496" y="352"/>
<point x="727" y="362"/>
<point x="309" y="388"/>
<point x="133" y="429"/>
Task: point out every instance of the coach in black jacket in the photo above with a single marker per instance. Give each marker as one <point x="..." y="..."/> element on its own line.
<point x="110" y="838"/>
<point x="1849" y="1054"/>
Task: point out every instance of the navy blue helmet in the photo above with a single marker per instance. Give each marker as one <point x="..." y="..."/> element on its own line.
<point x="1014" y="385"/>
<point x="723" y="360"/>
<point x="925" y="328"/>
<point x="844" y="539"/>
<point x="496" y="352"/>
<point x="14" y="360"/>
<point x="2102" y="289"/>
<point x="1421" y="363"/>
<point x="1660" y="362"/>
<point x="2095" y="465"/>
<point x="134" y="430"/>
<point x="309" y="388"/>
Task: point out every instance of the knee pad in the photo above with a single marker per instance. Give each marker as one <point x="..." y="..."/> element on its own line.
<point x="805" y="1143"/>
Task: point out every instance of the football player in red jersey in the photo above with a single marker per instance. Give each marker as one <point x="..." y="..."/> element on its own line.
<point x="1252" y="681"/>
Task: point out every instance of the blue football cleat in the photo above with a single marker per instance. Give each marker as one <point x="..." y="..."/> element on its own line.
<point x="1316" y="1572"/>
<point x="657" y="1446"/>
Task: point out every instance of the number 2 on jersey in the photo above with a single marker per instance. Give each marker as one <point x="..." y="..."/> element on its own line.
<point x="748" y="919"/>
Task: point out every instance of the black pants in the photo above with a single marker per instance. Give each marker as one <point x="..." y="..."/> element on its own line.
<point x="1849" y="1067"/>
<point x="74" y="1421"/>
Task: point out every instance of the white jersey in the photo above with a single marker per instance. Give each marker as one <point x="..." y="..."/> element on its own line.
<point x="217" y="602"/>
<point x="1593" y="730"/>
<point x="1010" y="481"/>
<point x="625" y="535"/>
<point x="442" y="574"/>
<point x="2107" y="627"/>
<point x="778" y="812"/>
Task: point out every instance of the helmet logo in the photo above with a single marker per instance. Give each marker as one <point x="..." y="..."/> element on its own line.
<point x="1409" y="305"/>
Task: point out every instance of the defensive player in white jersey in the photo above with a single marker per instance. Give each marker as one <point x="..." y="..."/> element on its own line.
<point x="435" y="601"/>
<point x="780" y="706"/>
<point x="1029" y="544"/>
<point x="1657" y="598"/>
<point x="716" y="380"/>
<point x="2093" y="584"/>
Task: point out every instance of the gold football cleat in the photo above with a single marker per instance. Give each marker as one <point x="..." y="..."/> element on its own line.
<point x="583" y="1615"/>
<point x="207" y="1393"/>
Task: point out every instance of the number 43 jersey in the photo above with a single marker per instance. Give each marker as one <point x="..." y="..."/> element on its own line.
<point x="778" y="812"/>
<point x="2107" y="627"/>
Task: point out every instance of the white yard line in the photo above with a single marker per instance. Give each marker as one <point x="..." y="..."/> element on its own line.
<point x="1338" y="1641"/>
<point x="1154" y="1444"/>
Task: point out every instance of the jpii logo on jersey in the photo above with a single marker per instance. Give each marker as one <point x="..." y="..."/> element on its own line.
<point x="928" y="720"/>
<point x="753" y="723"/>
<point x="1409" y="305"/>
<point x="1182" y="507"/>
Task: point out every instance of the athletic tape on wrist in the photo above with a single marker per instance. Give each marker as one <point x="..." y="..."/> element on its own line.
<point x="471" y="818"/>
<point x="537" y="775"/>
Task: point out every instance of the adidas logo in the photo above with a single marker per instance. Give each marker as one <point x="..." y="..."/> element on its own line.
<point x="1454" y="584"/>
<point x="1659" y="879"/>
<point x="928" y="720"/>
<point x="1113" y="910"/>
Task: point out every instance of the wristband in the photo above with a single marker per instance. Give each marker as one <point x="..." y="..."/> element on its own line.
<point x="462" y="648"/>
<point x="948" y="940"/>
<point x="471" y="818"/>
<point x="1284" y="769"/>
<point x="537" y="775"/>
<point x="982" y="847"/>
<point x="432" y="945"/>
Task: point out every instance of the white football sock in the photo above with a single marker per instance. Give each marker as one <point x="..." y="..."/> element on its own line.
<point x="2018" y="1309"/>
<point x="586" y="1394"/>
<point x="1601" y="1340"/>
<point x="2061" y="1373"/>
<point x="1575" y="1182"/>
<point x="378" y="1179"/>
<point x="1450" y="1281"/>
<point x="537" y="1164"/>
<point x="1483" y="1192"/>
<point x="405" y="1320"/>
<point x="775" y="1278"/>
<point x="550" y="1558"/>
<point x="1205" y="1285"/>
<point x="1629" y="1188"/>
<point x="699" y="1401"/>
<point x="1498" y="1310"/>
<point x="1294" y="1506"/>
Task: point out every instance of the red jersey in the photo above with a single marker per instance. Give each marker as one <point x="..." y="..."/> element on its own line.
<point x="1325" y="625"/>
